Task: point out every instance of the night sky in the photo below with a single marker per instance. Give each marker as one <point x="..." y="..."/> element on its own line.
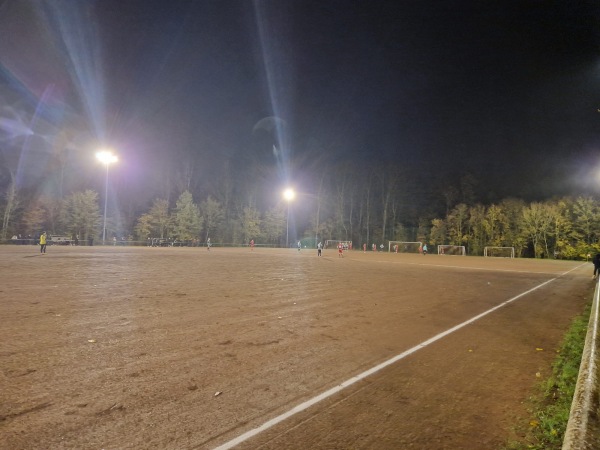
<point x="508" y="91"/>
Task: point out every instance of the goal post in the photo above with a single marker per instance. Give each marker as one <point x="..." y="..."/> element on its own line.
<point x="332" y="243"/>
<point x="404" y="247"/>
<point x="499" y="252"/>
<point x="453" y="250"/>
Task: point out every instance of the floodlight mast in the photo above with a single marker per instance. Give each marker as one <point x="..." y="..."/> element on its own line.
<point x="106" y="157"/>
<point x="289" y="194"/>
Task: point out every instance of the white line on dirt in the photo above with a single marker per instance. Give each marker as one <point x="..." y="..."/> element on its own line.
<point x="307" y="404"/>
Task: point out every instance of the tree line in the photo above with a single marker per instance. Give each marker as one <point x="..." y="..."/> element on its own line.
<point x="566" y="228"/>
<point x="342" y="204"/>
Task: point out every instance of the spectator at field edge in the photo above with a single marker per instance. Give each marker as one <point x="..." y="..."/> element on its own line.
<point x="596" y="262"/>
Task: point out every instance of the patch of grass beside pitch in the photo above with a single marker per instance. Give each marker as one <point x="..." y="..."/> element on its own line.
<point x="552" y="403"/>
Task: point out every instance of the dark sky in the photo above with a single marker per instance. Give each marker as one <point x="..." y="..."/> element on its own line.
<point x="507" y="90"/>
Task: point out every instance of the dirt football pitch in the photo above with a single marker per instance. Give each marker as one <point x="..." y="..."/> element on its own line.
<point x="182" y="348"/>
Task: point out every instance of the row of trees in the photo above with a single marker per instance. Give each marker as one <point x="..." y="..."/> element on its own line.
<point x="189" y="221"/>
<point x="362" y="212"/>
<point x="565" y="228"/>
<point x="79" y="215"/>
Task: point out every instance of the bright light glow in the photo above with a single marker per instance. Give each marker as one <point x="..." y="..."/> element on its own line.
<point x="289" y="194"/>
<point x="106" y="157"/>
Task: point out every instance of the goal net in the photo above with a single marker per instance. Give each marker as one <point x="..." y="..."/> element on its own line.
<point x="451" y="250"/>
<point x="499" y="252"/>
<point x="331" y="243"/>
<point x="404" y="247"/>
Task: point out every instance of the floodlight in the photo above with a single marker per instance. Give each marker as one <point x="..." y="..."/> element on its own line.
<point x="106" y="157"/>
<point x="289" y="194"/>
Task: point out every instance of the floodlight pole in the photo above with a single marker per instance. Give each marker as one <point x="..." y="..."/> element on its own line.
<point x="289" y="195"/>
<point x="287" y="228"/>
<point x="105" y="205"/>
<point x="105" y="157"/>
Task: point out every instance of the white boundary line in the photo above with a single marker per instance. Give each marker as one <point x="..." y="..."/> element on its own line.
<point x="307" y="404"/>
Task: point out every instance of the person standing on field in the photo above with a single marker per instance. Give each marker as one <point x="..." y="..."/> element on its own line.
<point x="208" y="244"/>
<point x="319" y="249"/>
<point x="596" y="262"/>
<point x="299" y="245"/>
<point x="340" y="250"/>
<point x="43" y="243"/>
<point x="424" y="249"/>
<point x="252" y="245"/>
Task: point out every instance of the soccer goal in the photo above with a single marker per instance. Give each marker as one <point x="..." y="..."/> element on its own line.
<point x="452" y="250"/>
<point x="332" y="243"/>
<point x="404" y="247"/>
<point x="499" y="252"/>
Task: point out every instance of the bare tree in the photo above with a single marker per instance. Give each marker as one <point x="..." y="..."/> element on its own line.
<point x="10" y="205"/>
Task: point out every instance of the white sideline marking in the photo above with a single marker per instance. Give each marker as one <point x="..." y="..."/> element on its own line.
<point x="307" y="404"/>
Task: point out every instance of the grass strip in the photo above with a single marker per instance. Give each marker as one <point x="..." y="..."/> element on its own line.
<point x="552" y="403"/>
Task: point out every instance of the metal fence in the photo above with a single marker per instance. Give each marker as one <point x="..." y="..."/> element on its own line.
<point x="583" y="428"/>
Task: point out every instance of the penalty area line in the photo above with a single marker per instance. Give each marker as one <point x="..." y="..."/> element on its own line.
<point x="324" y="395"/>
